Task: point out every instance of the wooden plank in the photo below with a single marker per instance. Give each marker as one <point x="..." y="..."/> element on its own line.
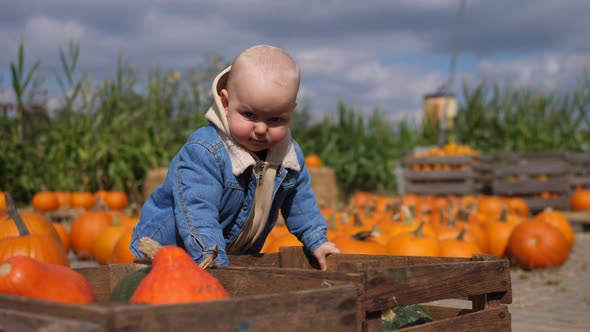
<point x="502" y="187"/>
<point x="492" y="320"/>
<point x="442" y="188"/>
<point x="578" y="216"/>
<point x="32" y="322"/>
<point x="386" y="288"/>
<point x="539" y="204"/>
<point x="550" y="168"/>
<point x="439" y="175"/>
<point x="326" y="309"/>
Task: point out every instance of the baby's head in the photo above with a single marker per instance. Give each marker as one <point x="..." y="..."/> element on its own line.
<point x="260" y="96"/>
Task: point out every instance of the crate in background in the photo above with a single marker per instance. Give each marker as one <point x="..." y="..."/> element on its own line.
<point x="579" y="169"/>
<point x="447" y="175"/>
<point x="388" y="281"/>
<point x="542" y="179"/>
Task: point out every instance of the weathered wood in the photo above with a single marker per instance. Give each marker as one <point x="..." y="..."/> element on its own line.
<point x="14" y="321"/>
<point x="472" y="178"/>
<point x="492" y="320"/>
<point x="530" y="187"/>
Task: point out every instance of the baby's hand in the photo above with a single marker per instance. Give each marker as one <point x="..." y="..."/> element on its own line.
<point x="323" y="251"/>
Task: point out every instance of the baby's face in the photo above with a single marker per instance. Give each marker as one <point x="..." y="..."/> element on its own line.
<point x="259" y="113"/>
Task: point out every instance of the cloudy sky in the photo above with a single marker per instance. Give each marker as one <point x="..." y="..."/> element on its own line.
<point x="372" y="53"/>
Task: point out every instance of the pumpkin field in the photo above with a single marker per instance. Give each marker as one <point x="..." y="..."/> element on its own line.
<point x="511" y="185"/>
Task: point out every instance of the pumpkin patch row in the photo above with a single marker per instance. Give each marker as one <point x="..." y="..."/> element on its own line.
<point x="47" y="201"/>
<point x="415" y="225"/>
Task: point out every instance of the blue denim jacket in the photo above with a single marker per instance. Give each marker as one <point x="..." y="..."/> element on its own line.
<point x="201" y="203"/>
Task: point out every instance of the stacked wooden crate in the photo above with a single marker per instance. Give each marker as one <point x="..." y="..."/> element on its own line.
<point x="542" y="179"/>
<point x="447" y="175"/>
<point x="579" y="172"/>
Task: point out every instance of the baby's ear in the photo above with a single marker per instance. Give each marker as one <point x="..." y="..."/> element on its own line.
<point x="224" y="98"/>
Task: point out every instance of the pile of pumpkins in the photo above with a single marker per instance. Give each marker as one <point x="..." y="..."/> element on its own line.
<point x="449" y="149"/>
<point x="100" y="230"/>
<point x="445" y="226"/>
<point x="34" y="261"/>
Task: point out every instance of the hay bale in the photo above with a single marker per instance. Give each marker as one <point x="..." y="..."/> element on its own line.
<point x="325" y="186"/>
<point x="153" y="179"/>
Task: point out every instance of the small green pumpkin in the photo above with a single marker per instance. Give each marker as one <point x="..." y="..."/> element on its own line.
<point x="126" y="287"/>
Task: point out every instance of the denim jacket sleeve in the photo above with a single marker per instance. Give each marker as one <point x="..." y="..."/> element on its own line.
<point x="301" y="213"/>
<point x="197" y="193"/>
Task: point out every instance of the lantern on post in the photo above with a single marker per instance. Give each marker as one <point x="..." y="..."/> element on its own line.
<point x="440" y="110"/>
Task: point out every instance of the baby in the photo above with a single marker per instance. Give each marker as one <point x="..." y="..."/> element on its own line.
<point x="227" y="183"/>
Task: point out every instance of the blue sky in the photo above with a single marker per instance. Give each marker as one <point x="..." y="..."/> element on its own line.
<point x="373" y="53"/>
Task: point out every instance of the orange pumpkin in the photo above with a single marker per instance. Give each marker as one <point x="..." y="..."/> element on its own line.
<point x="580" y="200"/>
<point x="360" y="243"/>
<point x="122" y="253"/>
<point x="535" y="244"/>
<point x="313" y="161"/>
<point x="86" y="229"/>
<point x="458" y="247"/>
<point x="45" y="201"/>
<point x="414" y="243"/>
<point x="498" y="234"/>
<point x="176" y="278"/>
<point x="106" y="242"/>
<point x="25" y="276"/>
<point x="3" y="201"/>
<point x="44" y="248"/>
<point x="558" y="220"/>
<point x="64" y="199"/>
<point x="116" y="200"/>
<point x="63" y="233"/>
<point x="490" y="205"/>
<point x="83" y="199"/>
<point x="285" y="240"/>
<point x="35" y="223"/>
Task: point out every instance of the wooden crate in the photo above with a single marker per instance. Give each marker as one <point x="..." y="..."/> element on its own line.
<point x="579" y="172"/>
<point x="261" y="301"/>
<point x="542" y="179"/>
<point x="465" y="175"/>
<point x="400" y="280"/>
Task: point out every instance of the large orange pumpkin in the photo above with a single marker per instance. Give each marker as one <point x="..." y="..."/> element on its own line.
<point x="580" y="200"/>
<point x="35" y="222"/>
<point x="176" y="278"/>
<point x="535" y="244"/>
<point x="42" y="247"/>
<point x="25" y="276"/>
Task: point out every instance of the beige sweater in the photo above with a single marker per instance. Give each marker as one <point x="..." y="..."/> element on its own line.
<point x="241" y="159"/>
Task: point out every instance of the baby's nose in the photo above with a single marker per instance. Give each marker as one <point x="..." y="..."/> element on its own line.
<point x="260" y="128"/>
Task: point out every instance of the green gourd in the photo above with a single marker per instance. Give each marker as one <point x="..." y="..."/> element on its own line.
<point x="126" y="287"/>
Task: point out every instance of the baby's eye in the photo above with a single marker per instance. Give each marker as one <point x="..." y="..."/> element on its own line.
<point x="277" y="120"/>
<point x="249" y="115"/>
